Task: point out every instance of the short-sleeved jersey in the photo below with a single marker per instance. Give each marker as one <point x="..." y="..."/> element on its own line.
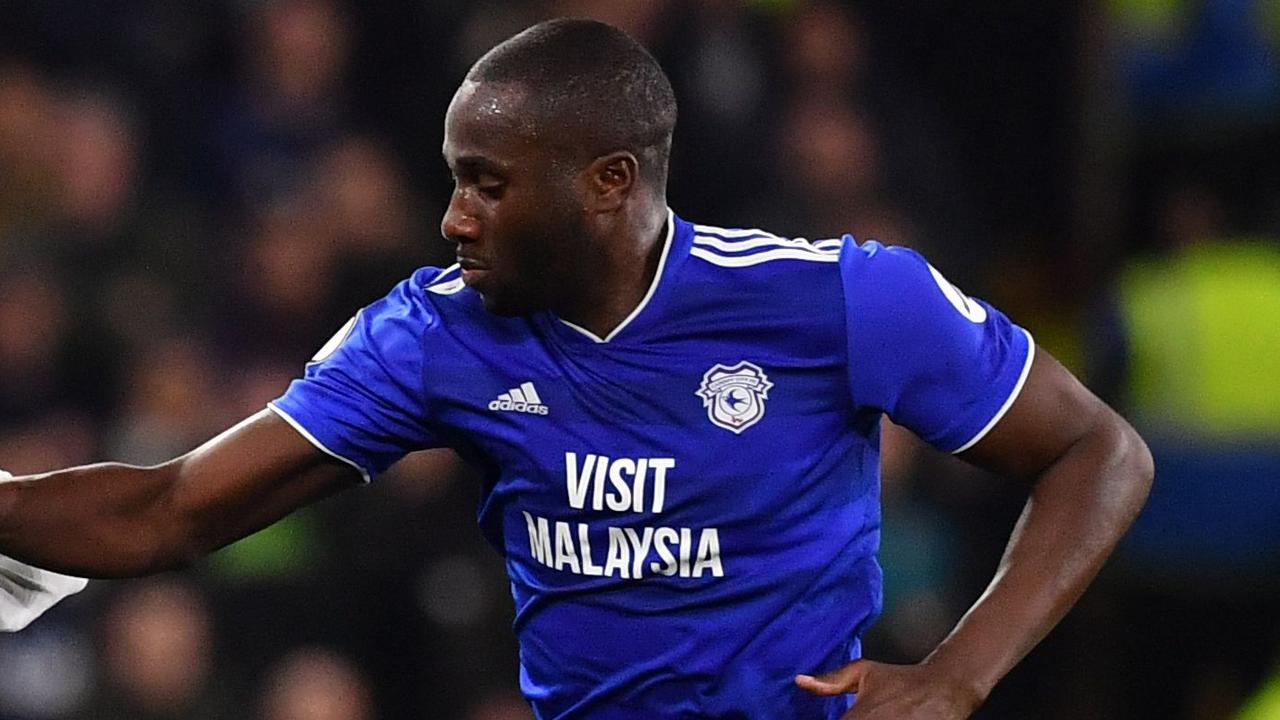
<point x="689" y="507"/>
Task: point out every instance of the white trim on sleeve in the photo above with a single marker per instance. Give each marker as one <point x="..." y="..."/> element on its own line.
<point x="1008" y="403"/>
<point x="364" y="474"/>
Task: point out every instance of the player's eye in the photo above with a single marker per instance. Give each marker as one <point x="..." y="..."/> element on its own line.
<point x="492" y="190"/>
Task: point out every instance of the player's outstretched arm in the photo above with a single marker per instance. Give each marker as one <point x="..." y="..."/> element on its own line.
<point x="1091" y="473"/>
<point x="113" y="520"/>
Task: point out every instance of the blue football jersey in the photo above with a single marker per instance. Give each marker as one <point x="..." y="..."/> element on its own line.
<point x="689" y="507"/>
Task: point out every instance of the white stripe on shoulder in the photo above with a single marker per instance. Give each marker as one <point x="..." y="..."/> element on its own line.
<point x="732" y="232"/>
<point x="735" y="240"/>
<point x="829" y="243"/>
<point x="763" y="257"/>
<point x="753" y="243"/>
<point x="443" y="285"/>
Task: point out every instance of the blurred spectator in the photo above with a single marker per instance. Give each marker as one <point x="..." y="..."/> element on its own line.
<point x="380" y="229"/>
<point x="95" y="160"/>
<point x="34" y="325"/>
<point x="832" y="161"/>
<point x="56" y="439"/>
<point x="170" y="379"/>
<point x="365" y="194"/>
<point x="858" y="150"/>
<point x="158" y="658"/>
<point x="1194" y="63"/>
<point x="27" y="183"/>
<point x="1196" y="330"/>
<point x="316" y="684"/>
<point x="293" y="100"/>
<point x="718" y="55"/>
<point x="98" y="164"/>
<point x="1203" y="321"/>
<point x="47" y="671"/>
<point x="826" y="52"/>
<point x="280" y="298"/>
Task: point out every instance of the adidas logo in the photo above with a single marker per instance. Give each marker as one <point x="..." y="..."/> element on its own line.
<point x="521" y="399"/>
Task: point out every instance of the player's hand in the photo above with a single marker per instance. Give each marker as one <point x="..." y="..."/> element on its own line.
<point x="895" y="692"/>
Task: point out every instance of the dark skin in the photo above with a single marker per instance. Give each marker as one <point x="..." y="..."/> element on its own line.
<point x="1089" y="474"/>
<point x="532" y="236"/>
<point x="590" y="231"/>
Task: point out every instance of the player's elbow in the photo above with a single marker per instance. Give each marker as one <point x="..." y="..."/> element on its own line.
<point x="1134" y="468"/>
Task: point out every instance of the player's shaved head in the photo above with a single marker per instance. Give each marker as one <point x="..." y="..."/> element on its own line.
<point x="558" y="141"/>
<point x="589" y="89"/>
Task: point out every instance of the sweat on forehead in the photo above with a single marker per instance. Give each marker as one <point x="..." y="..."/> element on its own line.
<point x="516" y="110"/>
<point x="494" y="105"/>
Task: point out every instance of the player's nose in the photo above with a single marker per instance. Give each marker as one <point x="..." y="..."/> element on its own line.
<point x="457" y="225"/>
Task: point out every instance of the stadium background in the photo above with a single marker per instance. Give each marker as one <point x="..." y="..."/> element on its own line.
<point x="194" y="195"/>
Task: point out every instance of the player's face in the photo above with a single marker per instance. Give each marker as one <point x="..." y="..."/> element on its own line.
<point x="514" y="215"/>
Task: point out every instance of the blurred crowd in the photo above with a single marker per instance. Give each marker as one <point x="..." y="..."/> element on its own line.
<point x="195" y="195"/>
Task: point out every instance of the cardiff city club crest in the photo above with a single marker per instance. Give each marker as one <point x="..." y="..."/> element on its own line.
<point x="734" y="396"/>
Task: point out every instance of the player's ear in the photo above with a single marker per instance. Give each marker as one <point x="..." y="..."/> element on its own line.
<point x="612" y="178"/>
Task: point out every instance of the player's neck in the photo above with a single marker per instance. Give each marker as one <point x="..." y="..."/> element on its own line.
<point x="620" y="279"/>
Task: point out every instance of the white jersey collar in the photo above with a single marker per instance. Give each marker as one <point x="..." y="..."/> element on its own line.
<point x="644" y="302"/>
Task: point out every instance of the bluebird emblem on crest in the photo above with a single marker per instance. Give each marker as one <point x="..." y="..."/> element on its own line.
<point x="734" y="396"/>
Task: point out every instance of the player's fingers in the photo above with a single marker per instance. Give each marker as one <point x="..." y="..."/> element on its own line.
<point x="842" y="680"/>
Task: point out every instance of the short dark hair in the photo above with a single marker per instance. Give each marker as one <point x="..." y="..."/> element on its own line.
<point x="599" y="87"/>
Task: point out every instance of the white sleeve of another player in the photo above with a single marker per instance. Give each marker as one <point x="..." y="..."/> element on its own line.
<point x="26" y="592"/>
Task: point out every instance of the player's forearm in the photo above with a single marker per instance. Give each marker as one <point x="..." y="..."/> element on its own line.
<point x="120" y="521"/>
<point x="1080" y="507"/>
<point x="107" y="520"/>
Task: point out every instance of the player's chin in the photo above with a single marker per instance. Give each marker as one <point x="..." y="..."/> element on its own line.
<point x="501" y="303"/>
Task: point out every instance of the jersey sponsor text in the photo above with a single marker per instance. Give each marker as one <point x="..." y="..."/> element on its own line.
<point x="622" y="485"/>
